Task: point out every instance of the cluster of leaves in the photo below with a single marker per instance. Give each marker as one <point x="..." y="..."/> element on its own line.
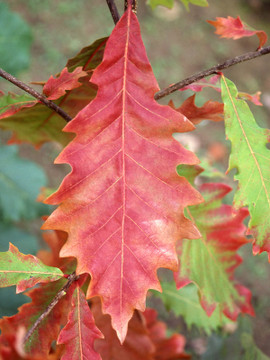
<point x="124" y="211"/>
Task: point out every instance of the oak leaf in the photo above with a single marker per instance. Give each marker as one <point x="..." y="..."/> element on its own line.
<point x="24" y="271"/>
<point x="122" y="204"/>
<point x="80" y="332"/>
<point x="250" y="156"/>
<point x="234" y="28"/>
<point x="211" y="110"/>
<point x="210" y="262"/>
<point x="33" y="122"/>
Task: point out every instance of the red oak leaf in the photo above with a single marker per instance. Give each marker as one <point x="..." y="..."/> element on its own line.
<point x="197" y="86"/>
<point x="166" y="348"/>
<point x="39" y="344"/>
<point x="211" y="110"/>
<point x="210" y="262"/>
<point x="122" y="204"/>
<point x="146" y="338"/>
<point x="57" y="87"/>
<point x="24" y="115"/>
<point x="80" y="332"/>
<point x="235" y="29"/>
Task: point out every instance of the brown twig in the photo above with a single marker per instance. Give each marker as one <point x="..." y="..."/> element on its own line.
<point x="134" y="4"/>
<point x="61" y="293"/>
<point x="213" y="70"/>
<point x="36" y="94"/>
<point x="113" y="10"/>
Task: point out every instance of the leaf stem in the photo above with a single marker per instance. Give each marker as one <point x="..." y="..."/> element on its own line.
<point x="213" y="70"/>
<point x="113" y="10"/>
<point x="36" y="94"/>
<point x="61" y="293"/>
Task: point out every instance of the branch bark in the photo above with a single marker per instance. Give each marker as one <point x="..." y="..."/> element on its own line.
<point x="36" y="94"/>
<point x="113" y="10"/>
<point x="213" y="70"/>
<point x="61" y="293"/>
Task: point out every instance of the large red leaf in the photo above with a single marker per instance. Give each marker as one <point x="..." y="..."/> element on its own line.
<point x="122" y="204"/>
<point x="80" y="332"/>
<point x="234" y="28"/>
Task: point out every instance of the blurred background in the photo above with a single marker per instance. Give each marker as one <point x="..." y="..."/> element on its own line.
<point x="36" y="39"/>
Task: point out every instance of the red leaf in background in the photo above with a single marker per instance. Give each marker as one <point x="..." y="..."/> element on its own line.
<point x="235" y="29"/>
<point x="214" y="83"/>
<point x="211" y="110"/>
<point x="33" y="122"/>
<point x="40" y="342"/>
<point x="57" y="87"/>
<point x="122" y="204"/>
<point x="166" y="348"/>
<point x="210" y="262"/>
<point x="197" y="86"/>
<point x="80" y="332"/>
<point x="146" y="338"/>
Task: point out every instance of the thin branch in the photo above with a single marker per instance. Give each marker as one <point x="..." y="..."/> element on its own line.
<point x="213" y="70"/>
<point x="113" y="10"/>
<point x="36" y="94"/>
<point x="61" y="293"/>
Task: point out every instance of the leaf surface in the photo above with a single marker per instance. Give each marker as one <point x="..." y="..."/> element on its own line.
<point x="251" y="158"/>
<point x="80" y="332"/>
<point x="24" y="270"/>
<point x="40" y="342"/>
<point x="210" y="262"/>
<point x="35" y="123"/>
<point x="185" y="302"/>
<point x="169" y="3"/>
<point x="211" y="110"/>
<point x="57" y="87"/>
<point x="234" y="28"/>
<point x="120" y="229"/>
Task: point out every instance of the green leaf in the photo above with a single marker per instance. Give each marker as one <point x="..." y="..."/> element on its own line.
<point x="24" y="270"/>
<point x="185" y="302"/>
<point x="169" y="3"/>
<point x="210" y="262"/>
<point x="251" y="158"/>
<point x="202" y="3"/>
<point x="15" y="41"/>
<point x="20" y="181"/>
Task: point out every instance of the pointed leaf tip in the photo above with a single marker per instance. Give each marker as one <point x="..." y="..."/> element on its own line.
<point x="121" y="230"/>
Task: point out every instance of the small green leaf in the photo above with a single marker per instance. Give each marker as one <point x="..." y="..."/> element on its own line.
<point x="185" y="302"/>
<point x="155" y="3"/>
<point x="24" y="270"/>
<point x="250" y="156"/>
<point x="202" y="3"/>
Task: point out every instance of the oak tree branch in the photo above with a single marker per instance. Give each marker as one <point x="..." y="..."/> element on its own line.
<point x="36" y="94"/>
<point x="213" y="70"/>
<point x="61" y="293"/>
<point x="113" y="10"/>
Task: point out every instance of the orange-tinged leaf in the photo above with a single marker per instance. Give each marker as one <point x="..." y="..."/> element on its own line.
<point x="166" y="348"/>
<point x="234" y="28"/>
<point x="210" y="262"/>
<point x="33" y="122"/>
<point x="211" y="110"/>
<point x="24" y="271"/>
<point x="80" y="332"/>
<point x="122" y="204"/>
<point x="57" y="87"/>
<point x="137" y="345"/>
<point x="39" y="343"/>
